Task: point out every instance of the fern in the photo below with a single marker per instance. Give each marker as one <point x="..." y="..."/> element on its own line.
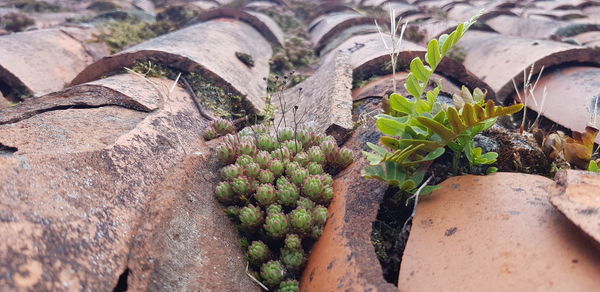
<point x="419" y="129"/>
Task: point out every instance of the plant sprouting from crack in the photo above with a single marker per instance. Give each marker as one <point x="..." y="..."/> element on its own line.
<point x="420" y="129"/>
<point x="396" y="42"/>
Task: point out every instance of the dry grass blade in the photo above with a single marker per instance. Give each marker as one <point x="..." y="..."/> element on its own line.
<point x="256" y="280"/>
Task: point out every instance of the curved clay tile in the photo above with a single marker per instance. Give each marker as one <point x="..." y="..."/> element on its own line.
<point x="368" y="55"/>
<point x="327" y="8"/>
<point x="96" y="157"/>
<point x="463" y="12"/>
<point x="326" y="98"/>
<point x="571" y="97"/>
<point x="497" y="59"/>
<point x="205" y="4"/>
<point x="525" y="27"/>
<point x="344" y="258"/>
<point x="41" y="61"/>
<point x="261" y="22"/>
<point x="401" y="8"/>
<point x="575" y="200"/>
<point x="381" y="85"/>
<point x="494" y="233"/>
<point x="331" y="28"/>
<point x="346" y="34"/>
<point x="326" y="22"/>
<point x="209" y="48"/>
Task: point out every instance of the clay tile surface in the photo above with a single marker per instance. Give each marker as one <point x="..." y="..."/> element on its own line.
<point x="368" y="54"/>
<point x="328" y="23"/>
<point x="261" y="22"/>
<point x="326" y="97"/>
<point x="381" y="85"/>
<point x="588" y="38"/>
<point x="26" y="68"/>
<point x="213" y="53"/>
<point x="571" y="96"/>
<point x="344" y="258"/>
<point x="77" y="184"/>
<point x="579" y="200"/>
<point x="467" y="236"/>
<point x="524" y="27"/>
<point x="497" y="59"/>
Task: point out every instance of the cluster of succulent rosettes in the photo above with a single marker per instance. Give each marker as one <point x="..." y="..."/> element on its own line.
<point x="276" y="187"/>
<point x="218" y="128"/>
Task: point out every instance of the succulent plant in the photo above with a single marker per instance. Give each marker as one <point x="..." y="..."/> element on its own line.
<point x="276" y="167"/>
<point x="302" y="159"/>
<point x="285" y="134"/>
<point x="231" y="139"/>
<point x="244" y="160"/>
<point x="231" y="171"/>
<point x="252" y="170"/>
<point x="328" y="147"/>
<point x="227" y="153"/>
<point x="300" y="220"/>
<point x="266" y="142"/>
<point x="210" y="134"/>
<point x="223" y="127"/>
<point x="344" y="157"/>
<point x="291" y="167"/>
<point x="293" y="259"/>
<point x="272" y="273"/>
<point x="303" y="136"/>
<point x="276" y="225"/>
<point x="314" y="168"/>
<point x="232" y="211"/>
<point x="282" y="180"/>
<point x="305" y="203"/>
<point x="319" y="214"/>
<point x="326" y="179"/>
<point x="263" y="158"/>
<point x="316" y="231"/>
<point x="265" y="195"/>
<point x="294" y="146"/>
<point x="247" y="131"/>
<point x="282" y="154"/>
<point x="313" y="188"/>
<point x="251" y="216"/>
<point x="266" y="177"/>
<point x="258" y="252"/>
<point x="240" y="185"/>
<point x="289" y="286"/>
<point x="260" y="129"/>
<point x="224" y="193"/>
<point x="327" y="195"/>
<point x="247" y="147"/>
<point x="298" y="176"/>
<point x="288" y="194"/>
<point x="293" y="241"/>
<point x="316" y="155"/>
<point x="274" y="208"/>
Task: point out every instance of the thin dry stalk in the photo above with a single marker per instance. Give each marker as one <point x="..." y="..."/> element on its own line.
<point x="396" y="42"/>
<point x="256" y="280"/>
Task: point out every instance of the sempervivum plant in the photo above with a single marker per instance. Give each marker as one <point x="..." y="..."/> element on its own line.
<point x="276" y="188"/>
<point x="218" y="128"/>
<point x="272" y="273"/>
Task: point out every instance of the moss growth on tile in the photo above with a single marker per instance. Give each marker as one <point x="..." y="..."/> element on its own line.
<point x="245" y="58"/>
<point x="15" y="21"/>
<point x="119" y="35"/>
<point x="457" y="53"/>
<point x="36" y="6"/>
<point x="217" y="98"/>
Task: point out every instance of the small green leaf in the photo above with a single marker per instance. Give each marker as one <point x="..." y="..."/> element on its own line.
<point x="593" y="166"/>
<point x="438" y="128"/>
<point x="426" y="190"/>
<point x="373" y="158"/>
<point x="401" y="103"/>
<point x="377" y="149"/>
<point x="390" y="142"/>
<point x="430" y="156"/>
<point x="448" y="43"/>
<point x="421" y="72"/>
<point x="390" y="126"/>
<point x="491" y="170"/>
<point x="433" y="54"/>
<point x="413" y="86"/>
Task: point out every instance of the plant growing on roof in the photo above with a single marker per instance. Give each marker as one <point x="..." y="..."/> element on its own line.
<point x="419" y="129"/>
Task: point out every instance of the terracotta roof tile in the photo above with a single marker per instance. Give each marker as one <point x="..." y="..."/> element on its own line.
<point x="497" y="59"/>
<point x="214" y="53"/>
<point x="27" y="69"/>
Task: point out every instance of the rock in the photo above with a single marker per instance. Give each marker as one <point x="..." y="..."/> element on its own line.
<point x="496" y="233"/>
<point x="579" y="200"/>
